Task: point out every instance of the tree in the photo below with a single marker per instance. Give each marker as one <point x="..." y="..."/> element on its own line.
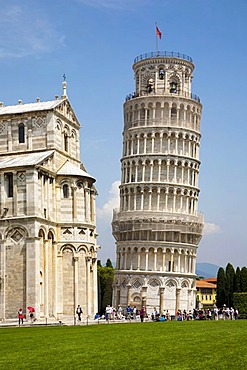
<point x="200" y="277"/>
<point x="105" y="281"/>
<point x="237" y="284"/>
<point x="229" y="287"/>
<point x="240" y="303"/>
<point x="243" y="279"/>
<point x="221" y="287"/>
<point x="99" y="263"/>
<point x="109" y="263"/>
<point x="107" y="296"/>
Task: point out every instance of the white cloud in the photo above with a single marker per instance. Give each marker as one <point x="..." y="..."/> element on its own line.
<point x="26" y="31"/>
<point x="105" y="212"/>
<point x="211" y="229"/>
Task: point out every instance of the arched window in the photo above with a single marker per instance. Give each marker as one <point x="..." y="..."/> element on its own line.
<point x="174" y="112"/>
<point x="21" y="133"/>
<point x="66" y="142"/>
<point x="9" y="184"/>
<point x="65" y="191"/>
<point x="173" y="87"/>
<point x="161" y="73"/>
<point x="150" y="85"/>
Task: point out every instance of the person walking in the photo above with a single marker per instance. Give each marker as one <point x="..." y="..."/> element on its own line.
<point x="128" y="313"/>
<point x="119" y="312"/>
<point x="31" y="316"/>
<point x="79" y="312"/>
<point x="134" y="312"/>
<point x="236" y="314"/>
<point x="108" y="312"/>
<point x="20" y="316"/>
<point x="142" y="313"/>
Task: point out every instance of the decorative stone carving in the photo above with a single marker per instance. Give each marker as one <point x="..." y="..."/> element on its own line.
<point x="124" y="284"/>
<point x="67" y="233"/>
<point x="171" y="285"/>
<point x="2" y="127"/>
<point x="16" y="236"/>
<point x="153" y="283"/>
<point x="184" y="285"/>
<point x="137" y="284"/>
<point x="38" y="122"/>
<point x="21" y="176"/>
<point x="82" y="233"/>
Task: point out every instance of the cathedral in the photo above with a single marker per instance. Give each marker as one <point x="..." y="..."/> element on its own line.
<point x="158" y="227"/>
<point x="48" y="250"/>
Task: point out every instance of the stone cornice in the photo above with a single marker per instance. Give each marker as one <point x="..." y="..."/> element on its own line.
<point x="165" y="97"/>
<point x="163" y="60"/>
<point x="143" y="273"/>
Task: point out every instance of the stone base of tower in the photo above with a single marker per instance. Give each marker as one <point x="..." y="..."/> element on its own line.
<point x="151" y="290"/>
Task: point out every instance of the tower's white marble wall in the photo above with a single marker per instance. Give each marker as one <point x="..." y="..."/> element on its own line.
<point x="158" y="227"/>
<point x="48" y="248"/>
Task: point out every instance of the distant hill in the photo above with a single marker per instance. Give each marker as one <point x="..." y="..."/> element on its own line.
<point x="207" y="270"/>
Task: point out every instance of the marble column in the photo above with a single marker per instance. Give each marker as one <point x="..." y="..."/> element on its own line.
<point x="76" y="279"/>
<point x="146" y="262"/>
<point x="178" y="290"/>
<point x="161" y="300"/>
<point x="155" y="260"/>
<point x="164" y="261"/>
<point x="88" y="259"/>
<point x="144" y="298"/>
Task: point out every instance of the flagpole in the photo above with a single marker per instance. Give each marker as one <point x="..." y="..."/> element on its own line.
<point x="156" y="38"/>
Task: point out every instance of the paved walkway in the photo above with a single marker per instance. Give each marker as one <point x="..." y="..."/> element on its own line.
<point x="72" y="321"/>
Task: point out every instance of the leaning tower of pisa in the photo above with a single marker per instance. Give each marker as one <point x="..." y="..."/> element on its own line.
<point x="158" y="228"/>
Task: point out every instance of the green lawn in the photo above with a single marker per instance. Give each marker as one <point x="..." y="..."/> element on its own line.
<point x="162" y="345"/>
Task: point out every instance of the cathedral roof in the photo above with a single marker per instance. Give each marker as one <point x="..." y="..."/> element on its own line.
<point x="70" y="169"/>
<point x="30" y="107"/>
<point x="27" y="159"/>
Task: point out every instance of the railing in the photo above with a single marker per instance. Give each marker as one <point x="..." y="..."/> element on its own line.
<point x="145" y="93"/>
<point x="156" y="54"/>
<point x="195" y="97"/>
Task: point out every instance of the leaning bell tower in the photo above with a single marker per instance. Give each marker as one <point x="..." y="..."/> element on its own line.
<point x="158" y="228"/>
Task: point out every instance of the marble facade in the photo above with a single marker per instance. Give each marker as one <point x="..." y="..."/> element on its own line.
<point x="48" y="250"/>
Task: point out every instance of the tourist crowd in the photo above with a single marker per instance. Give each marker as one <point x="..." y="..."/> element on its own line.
<point x="224" y="313"/>
<point x="111" y="313"/>
<point x="132" y="313"/>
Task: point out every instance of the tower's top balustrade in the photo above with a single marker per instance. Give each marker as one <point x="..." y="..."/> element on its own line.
<point x="166" y="74"/>
<point x="157" y="54"/>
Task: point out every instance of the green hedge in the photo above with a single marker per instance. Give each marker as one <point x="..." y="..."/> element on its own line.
<point x="240" y="303"/>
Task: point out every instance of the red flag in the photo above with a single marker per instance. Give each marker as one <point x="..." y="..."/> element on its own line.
<point x="158" y="33"/>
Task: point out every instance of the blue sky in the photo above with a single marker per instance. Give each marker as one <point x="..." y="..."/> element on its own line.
<point x="94" y="42"/>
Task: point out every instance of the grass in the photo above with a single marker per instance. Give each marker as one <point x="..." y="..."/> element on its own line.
<point x="169" y="345"/>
